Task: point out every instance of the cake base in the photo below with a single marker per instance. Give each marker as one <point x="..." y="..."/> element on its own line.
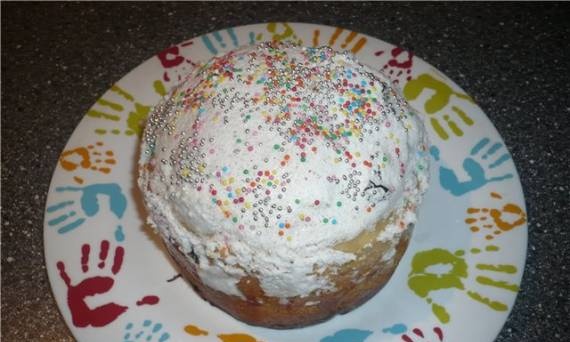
<point x="355" y="283"/>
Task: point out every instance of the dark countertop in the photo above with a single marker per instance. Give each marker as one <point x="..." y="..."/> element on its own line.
<point x="58" y="58"/>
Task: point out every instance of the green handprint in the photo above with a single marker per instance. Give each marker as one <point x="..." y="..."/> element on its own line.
<point x="438" y="102"/>
<point x="281" y="32"/>
<point x="113" y="105"/>
<point x="423" y="281"/>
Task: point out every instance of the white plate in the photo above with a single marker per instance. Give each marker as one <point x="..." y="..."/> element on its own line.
<point x="457" y="281"/>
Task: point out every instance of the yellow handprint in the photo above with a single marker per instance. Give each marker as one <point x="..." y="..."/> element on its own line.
<point x="423" y="280"/>
<point x="438" y="102"/>
<point x="237" y="338"/>
<point x="113" y="106"/>
<point x="232" y="337"/>
<point x="281" y="32"/>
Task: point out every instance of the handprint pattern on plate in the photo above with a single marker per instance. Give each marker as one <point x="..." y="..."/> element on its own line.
<point x="348" y="43"/>
<point x="435" y="334"/>
<point x="356" y="335"/>
<point x="92" y="285"/>
<point x="66" y="216"/>
<point x="280" y="32"/>
<point x="399" y="65"/>
<point x="119" y="107"/>
<point x="497" y="220"/>
<point x="90" y="157"/>
<point x="416" y="334"/>
<point x="146" y="331"/>
<point x="99" y="276"/>
<point x="438" y="106"/>
<point x="423" y="281"/>
<point x="176" y="63"/>
<point x="217" y="42"/>
<point x="477" y="165"/>
<point x="194" y="330"/>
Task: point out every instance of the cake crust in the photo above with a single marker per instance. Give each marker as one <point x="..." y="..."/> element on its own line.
<point x="259" y="309"/>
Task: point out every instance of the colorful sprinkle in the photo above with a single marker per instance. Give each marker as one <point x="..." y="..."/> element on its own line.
<point x="306" y="129"/>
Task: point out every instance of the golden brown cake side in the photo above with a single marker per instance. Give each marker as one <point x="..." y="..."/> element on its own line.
<point x="355" y="282"/>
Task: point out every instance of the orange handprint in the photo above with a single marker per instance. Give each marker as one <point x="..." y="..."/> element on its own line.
<point x="194" y="330"/>
<point x="237" y="338"/>
<point x="88" y="157"/>
<point x="499" y="220"/>
<point x="355" y="48"/>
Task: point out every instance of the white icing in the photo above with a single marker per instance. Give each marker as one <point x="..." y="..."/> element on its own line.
<point x="389" y="254"/>
<point x="312" y="302"/>
<point x="231" y="137"/>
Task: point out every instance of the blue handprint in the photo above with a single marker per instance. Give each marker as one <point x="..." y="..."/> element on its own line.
<point x="67" y="217"/>
<point x="146" y="333"/>
<point x="474" y="169"/>
<point x="220" y="40"/>
<point x="345" y="335"/>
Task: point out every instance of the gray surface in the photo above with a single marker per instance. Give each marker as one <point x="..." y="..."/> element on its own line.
<point x="57" y="59"/>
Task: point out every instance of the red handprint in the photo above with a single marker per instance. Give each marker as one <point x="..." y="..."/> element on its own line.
<point x="399" y="66"/>
<point x="170" y="57"/>
<point x="418" y="333"/>
<point x="82" y="315"/>
<point x="173" y="57"/>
